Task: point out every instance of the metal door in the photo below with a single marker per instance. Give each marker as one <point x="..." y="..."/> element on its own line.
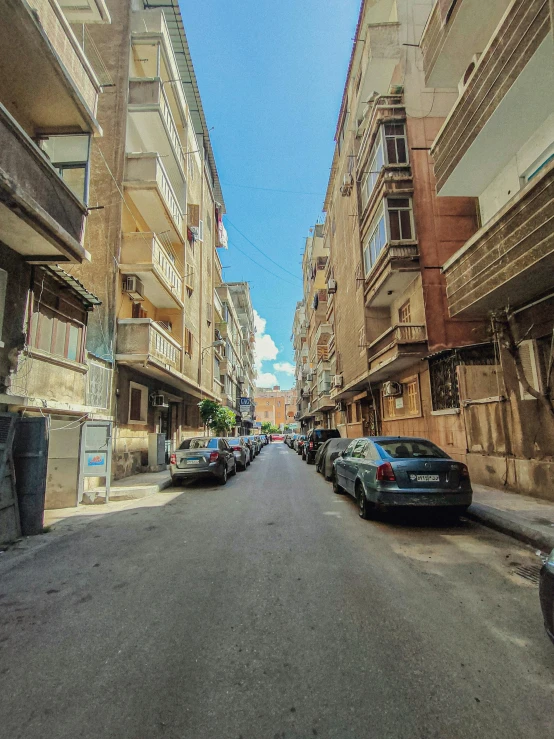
<point x="96" y="454"/>
<point x="30" y="456"/>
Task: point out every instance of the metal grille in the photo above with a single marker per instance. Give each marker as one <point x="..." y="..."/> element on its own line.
<point x="444" y="378"/>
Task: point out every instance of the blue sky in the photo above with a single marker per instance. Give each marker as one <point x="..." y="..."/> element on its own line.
<point x="271" y="76"/>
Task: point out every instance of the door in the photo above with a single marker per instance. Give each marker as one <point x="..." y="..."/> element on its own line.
<point x="352" y="462"/>
<point x="341" y="465"/>
<point x="30" y="456"/>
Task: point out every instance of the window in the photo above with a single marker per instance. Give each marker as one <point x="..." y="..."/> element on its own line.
<point x="395" y="143"/>
<point x="70" y="156"/>
<point x="375" y="242"/>
<point x="138" y="403"/>
<point x="405" y="313"/>
<point x="376" y="164"/>
<point x="390" y="405"/>
<point x="342" y="130"/>
<point x="58" y="321"/>
<point x="266" y="414"/>
<point x="400" y="219"/>
<point x="410" y="449"/>
<point x="359" y="450"/>
<point x="188" y="342"/>
<point x="412" y="391"/>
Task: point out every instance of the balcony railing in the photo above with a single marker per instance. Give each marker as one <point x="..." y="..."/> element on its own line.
<point x="391" y="273"/>
<point x="511" y="259"/>
<point x="145" y="173"/>
<point x="401" y="333"/>
<point x="51" y="218"/>
<point x="519" y="36"/>
<point x="323" y="334"/>
<point x="144" y="340"/>
<point x="143" y="254"/>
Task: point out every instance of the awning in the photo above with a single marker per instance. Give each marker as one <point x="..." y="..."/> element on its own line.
<point x="88" y="298"/>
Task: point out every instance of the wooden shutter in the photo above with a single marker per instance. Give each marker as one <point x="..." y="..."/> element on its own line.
<point x="193" y="215"/>
<point x="528" y="355"/>
<point x="136" y="404"/>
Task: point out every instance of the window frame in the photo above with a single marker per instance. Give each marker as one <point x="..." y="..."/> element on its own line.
<point x="409" y="209"/>
<point x="380" y="146"/>
<point x="58" y="318"/>
<point x="143" y="404"/>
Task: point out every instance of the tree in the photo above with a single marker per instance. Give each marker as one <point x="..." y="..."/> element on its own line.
<point x="269" y="428"/>
<point x="208" y="411"/>
<point x="224" y="421"/>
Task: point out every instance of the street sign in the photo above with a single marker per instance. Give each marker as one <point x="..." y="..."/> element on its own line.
<point x="245" y="402"/>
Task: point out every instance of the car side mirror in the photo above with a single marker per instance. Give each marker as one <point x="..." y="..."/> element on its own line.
<point x="343" y="453"/>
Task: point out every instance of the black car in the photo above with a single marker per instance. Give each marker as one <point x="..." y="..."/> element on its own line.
<point x="546" y="591"/>
<point x="317" y="437"/>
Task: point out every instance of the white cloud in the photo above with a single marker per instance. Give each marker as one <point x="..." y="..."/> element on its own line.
<point x="266" y="379"/>
<point x="265" y="348"/>
<point x="286" y="367"/>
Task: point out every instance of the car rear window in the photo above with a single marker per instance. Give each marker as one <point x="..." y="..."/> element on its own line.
<point x="233" y="441"/>
<point x="324" y="434"/>
<point x="206" y="443"/>
<point x="410" y="449"/>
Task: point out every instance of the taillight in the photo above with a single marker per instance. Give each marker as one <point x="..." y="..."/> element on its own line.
<point x="236" y="448"/>
<point x="311" y="445"/>
<point x="172" y="459"/>
<point x="464" y="472"/>
<point x="385" y="473"/>
<point x="214" y="456"/>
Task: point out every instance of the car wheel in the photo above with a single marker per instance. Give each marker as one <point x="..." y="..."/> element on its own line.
<point x="365" y="508"/>
<point x="174" y="481"/>
<point x="337" y="489"/>
<point x="223" y="478"/>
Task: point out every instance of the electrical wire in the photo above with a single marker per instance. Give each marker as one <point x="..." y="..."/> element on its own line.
<point x="262" y="251"/>
<point x="260" y="265"/>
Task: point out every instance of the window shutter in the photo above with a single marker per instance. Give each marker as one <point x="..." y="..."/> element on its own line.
<point x="136" y="402"/>
<point x="193" y="215"/>
<point x="201" y="230"/>
<point x="528" y="356"/>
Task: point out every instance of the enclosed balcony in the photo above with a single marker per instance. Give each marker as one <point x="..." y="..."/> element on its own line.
<point x="144" y="342"/>
<point x="148" y="186"/>
<point x="507" y="98"/>
<point x="144" y="255"/>
<point x="510" y="260"/>
<point x="40" y="217"/>
<point x="456" y="31"/>
<point x="152" y="127"/>
<point x="323" y="334"/>
<point x="46" y="64"/>
<point x="396" y="349"/>
<point x="393" y="270"/>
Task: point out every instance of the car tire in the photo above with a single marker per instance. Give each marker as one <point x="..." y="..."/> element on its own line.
<point x="337" y="489"/>
<point x="223" y="478"/>
<point x="175" y="481"/>
<point x="365" y="509"/>
<point x="234" y="472"/>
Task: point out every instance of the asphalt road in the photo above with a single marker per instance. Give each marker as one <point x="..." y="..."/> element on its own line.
<point x="267" y="609"/>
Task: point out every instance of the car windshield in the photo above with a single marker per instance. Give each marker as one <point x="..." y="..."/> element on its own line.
<point x="410" y="449"/>
<point x="324" y="434"/>
<point x="233" y="441"/>
<point x="206" y="443"/>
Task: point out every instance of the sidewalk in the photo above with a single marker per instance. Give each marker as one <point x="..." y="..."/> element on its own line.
<point x="528" y="519"/>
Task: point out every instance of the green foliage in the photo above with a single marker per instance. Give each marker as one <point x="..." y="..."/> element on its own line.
<point x="208" y="411"/>
<point x="269" y="428"/>
<point x="224" y="421"/>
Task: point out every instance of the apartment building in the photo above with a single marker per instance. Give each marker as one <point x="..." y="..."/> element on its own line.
<point x="110" y="220"/>
<point x="386" y="235"/>
<point x="275" y="406"/>
<point x="242" y="302"/>
<point x="496" y="147"/>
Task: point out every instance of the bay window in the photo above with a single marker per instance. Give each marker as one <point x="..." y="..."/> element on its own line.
<point x="400" y="219"/>
<point x="393" y="222"/>
<point x="390" y="147"/>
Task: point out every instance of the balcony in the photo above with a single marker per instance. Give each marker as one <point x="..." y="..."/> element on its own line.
<point x="46" y="63"/>
<point x="141" y="341"/>
<point x="511" y="259"/>
<point x="223" y="328"/>
<point x="395" y="350"/>
<point x="144" y="255"/>
<point x="152" y="127"/>
<point x="455" y="32"/>
<point x="323" y="333"/>
<point x="86" y="11"/>
<point x="502" y="105"/>
<point x="383" y="46"/>
<point x="394" y="269"/>
<point x="39" y="215"/>
<point x="148" y="186"/>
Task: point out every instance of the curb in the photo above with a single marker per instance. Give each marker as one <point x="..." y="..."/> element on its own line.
<point x="138" y="491"/>
<point x="503" y="522"/>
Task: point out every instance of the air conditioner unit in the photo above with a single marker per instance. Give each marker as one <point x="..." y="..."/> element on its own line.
<point x="167" y="325"/>
<point x="337" y="380"/>
<point x="331" y="286"/>
<point x="391" y="389"/>
<point x="159" y="401"/>
<point x="347" y="185"/>
<point x="133" y="287"/>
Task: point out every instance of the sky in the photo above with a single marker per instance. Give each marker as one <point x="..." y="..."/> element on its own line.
<point x="271" y="78"/>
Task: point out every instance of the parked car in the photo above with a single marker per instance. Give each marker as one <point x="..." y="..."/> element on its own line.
<point x="241" y="451"/>
<point x="546" y="591"/>
<point x="202" y="457"/>
<point x="299" y="444"/>
<point x="327" y="453"/>
<point x="317" y="437"/>
<point x="389" y="471"/>
<point x="255" y="444"/>
<point x="251" y="446"/>
<point x="265" y="439"/>
<point x="278" y="437"/>
<point x="291" y="439"/>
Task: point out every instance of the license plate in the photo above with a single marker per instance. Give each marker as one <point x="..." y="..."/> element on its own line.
<point x="193" y="461"/>
<point x="426" y="478"/>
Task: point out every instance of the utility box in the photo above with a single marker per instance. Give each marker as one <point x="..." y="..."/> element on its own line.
<point x="156" y="451"/>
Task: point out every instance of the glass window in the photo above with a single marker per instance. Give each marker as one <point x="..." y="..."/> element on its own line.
<point x="376" y="164"/>
<point x="199" y="443"/>
<point x="375" y="242"/>
<point x="360" y="449"/>
<point x="70" y="156"/>
<point x="135" y="404"/>
<point x="396" y="145"/>
<point x="400" y="219"/>
<point x="410" y="449"/>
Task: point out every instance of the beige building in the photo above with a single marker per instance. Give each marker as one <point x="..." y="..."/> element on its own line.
<point x="275" y="406"/>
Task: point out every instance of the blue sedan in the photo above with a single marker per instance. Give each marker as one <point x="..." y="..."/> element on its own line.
<point x="389" y="472"/>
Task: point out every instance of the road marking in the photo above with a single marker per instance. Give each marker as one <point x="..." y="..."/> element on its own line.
<point x="336" y="514"/>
